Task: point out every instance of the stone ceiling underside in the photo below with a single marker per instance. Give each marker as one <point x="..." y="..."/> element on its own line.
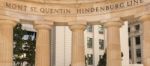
<point x="64" y="1"/>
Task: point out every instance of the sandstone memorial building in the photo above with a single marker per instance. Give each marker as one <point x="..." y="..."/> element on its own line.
<point x="76" y="14"/>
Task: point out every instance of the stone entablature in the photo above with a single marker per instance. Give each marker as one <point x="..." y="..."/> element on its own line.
<point x="91" y="11"/>
<point x="12" y="10"/>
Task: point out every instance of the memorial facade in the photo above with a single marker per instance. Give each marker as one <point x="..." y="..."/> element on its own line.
<point x="94" y="44"/>
<point x="76" y="14"/>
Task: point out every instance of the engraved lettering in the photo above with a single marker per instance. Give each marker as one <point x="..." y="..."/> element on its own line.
<point x="16" y="6"/>
<point x="54" y="11"/>
<point x="87" y="10"/>
<point x="33" y="9"/>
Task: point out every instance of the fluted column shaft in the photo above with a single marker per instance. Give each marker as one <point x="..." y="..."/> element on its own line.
<point x="43" y="45"/>
<point x="78" y="54"/>
<point x="113" y="43"/>
<point x="6" y="42"/>
<point x="146" y="39"/>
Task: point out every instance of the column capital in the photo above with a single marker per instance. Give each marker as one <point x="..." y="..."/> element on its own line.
<point x="117" y="23"/>
<point x="80" y="25"/>
<point x="8" y="22"/>
<point x="145" y="18"/>
<point x="43" y="24"/>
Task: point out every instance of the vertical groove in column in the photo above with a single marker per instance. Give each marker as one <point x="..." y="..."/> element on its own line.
<point x="43" y="54"/>
<point x="78" y="58"/>
<point x="113" y="47"/>
<point x="6" y="45"/>
<point x="146" y="43"/>
<point x="145" y="19"/>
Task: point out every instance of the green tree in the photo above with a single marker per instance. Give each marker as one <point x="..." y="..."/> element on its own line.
<point x="103" y="60"/>
<point x="30" y="49"/>
<point x="18" y="43"/>
<point x="24" y="49"/>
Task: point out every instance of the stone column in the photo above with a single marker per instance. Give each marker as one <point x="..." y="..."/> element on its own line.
<point x="113" y="43"/>
<point x="43" y="44"/>
<point x="78" y="52"/>
<point x="146" y="39"/>
<point x="6" y="42"/>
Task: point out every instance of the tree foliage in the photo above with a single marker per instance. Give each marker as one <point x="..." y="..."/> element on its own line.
<point x="24" y="48"/>
<point x="103" y="60"/>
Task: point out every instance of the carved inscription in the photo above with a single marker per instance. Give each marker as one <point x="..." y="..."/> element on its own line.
<point x="86" y="10"/>
<point x="55" y="11"/>
<point x="109" y="7"/>
<point x="16" y="6"/>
